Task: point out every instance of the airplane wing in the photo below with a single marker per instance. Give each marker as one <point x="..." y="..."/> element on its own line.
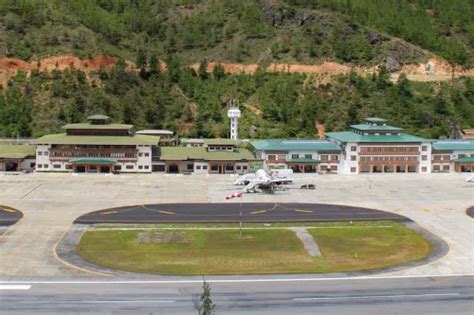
<point x="251" y="186"/>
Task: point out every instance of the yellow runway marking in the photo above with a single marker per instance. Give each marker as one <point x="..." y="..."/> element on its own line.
<point x="296" y="210"/>
<point x="166" y="212"/>
<point x="108" y="212"/>
<point x="305" y="211"/>
<point x="9" y="210"/>
<point x="159" y="211"/>
<point x="258" y="212"/>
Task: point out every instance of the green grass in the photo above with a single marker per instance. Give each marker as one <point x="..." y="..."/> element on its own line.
<point x="369" y="248"/>
<point x="259" y="251"/>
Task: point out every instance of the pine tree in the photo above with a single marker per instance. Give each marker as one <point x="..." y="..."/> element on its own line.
<point x="202" y="71"/>
<point x="154" y="65"/>
<point x="206" y="306"/>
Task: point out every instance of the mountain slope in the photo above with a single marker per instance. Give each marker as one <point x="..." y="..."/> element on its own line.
<point x="234" y="31"/>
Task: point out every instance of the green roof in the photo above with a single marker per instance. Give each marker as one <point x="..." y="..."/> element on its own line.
<point x="11" y="151"/>
<point x="294" y="145"/>
<point x="96" y="126"/>
<point x="200" y="153"/>
<point x="375" y="119"/>
<point x="303" y="160"/>
<point x="454" y="145"/>
<point x="367" y="127"/>
<point x="219" y="141"/>
<point x="98" y="140"/>
<point x="466" y="159"/>
<point x="93" y="161"/>
<point x="349" y="136"/>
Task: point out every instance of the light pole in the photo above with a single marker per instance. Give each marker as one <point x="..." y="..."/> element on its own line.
<point x="240" y="217"/>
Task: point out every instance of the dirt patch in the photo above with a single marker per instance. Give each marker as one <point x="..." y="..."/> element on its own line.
<point x="435" y="69"/>
<point x="162" y="237"/>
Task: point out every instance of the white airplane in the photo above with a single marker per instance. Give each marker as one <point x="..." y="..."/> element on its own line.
<point x="264" y="182"/>
<point x="282" y="174"/>
<point x="470" y="179"/>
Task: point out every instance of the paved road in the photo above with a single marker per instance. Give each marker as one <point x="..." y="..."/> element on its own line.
<point x="9" y="216"/>
<point x="230" y="212"/>
<point x="418" y="295"/>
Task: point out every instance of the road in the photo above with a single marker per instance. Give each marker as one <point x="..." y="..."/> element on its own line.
<point x="266" y="295"/>
<point x="230" y="212"/>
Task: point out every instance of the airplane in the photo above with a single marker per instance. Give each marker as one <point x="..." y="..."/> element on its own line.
<point x="264" y="182"/>
<point x="281" y="174"/>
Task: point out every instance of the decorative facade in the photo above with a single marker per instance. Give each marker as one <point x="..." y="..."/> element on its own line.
<point x="302" y="156"/>
<point x="375" y="147"/>
<point x="95" y="147"/>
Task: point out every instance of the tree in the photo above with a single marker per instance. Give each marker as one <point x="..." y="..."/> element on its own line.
<point x="202" y="71"/>
<point x="218" y="71"/>
<point x="206" y="306"/>
<point x="141" y="63"/>
<point x="154" y="65"/>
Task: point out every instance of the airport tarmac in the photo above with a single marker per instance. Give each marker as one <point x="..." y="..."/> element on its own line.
<point x="51" y="202"/>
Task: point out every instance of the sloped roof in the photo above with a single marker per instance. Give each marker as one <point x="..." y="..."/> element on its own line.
<point x="367" y="127"/>
<point x="220" y="141"/>
<point x="98" y="117"/>
<point x="294" y="145"/>
<point x="95" y="126"/>
<point x="375" y="119"/>
<point x="98" y="140"/>
<point x="349" y="136"/>
<point x="454" y="145"/>
<point x="200" y="153"/>
<point x="10" y="151"/>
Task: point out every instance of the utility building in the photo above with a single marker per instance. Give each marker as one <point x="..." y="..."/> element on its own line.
<point x="214" y="156"/>
<point x="17" y="157"/>
<point x="97" y="147"/>
<point x="375" y="147"/>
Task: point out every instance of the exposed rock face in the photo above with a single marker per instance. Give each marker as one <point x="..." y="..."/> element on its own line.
<point x="392" y="64"/>
<point x="375" y="38"/>
<point x="273" y="15"/>
<point x="303" y="17"/>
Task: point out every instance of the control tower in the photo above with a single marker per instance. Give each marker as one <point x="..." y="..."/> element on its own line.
<point x="234" y="114"/>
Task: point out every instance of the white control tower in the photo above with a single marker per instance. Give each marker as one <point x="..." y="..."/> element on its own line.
<point x="234" y="114"/>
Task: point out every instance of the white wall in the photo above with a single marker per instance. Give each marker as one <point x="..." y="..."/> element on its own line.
<point x="43" y="159"/>
<point x="201" y="167"/>
<point x="427" y="163"/>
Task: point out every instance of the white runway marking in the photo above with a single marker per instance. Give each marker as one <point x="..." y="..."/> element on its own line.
<point x="375" y="296"/>
<point x="210" y="280"/>
<point x="127" y="301"/>
<point x="14" y="287"/>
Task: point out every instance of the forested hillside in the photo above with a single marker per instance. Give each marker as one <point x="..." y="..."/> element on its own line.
<point x="303" y="31"/>
<point x="388" y="33"/>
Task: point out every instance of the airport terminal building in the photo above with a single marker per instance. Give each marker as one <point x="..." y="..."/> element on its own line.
<point x="375" y="147"/>
<point x="452" y="155"/>
<point x="95" y="147"/>
<point x="100" y="146"/>
<point x="302" y="156"/>
<point x="212" y="156"/>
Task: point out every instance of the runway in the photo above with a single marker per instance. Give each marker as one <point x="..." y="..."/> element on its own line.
<point x="231" y="212"/>
<point x="9" y="216"/>
<point x="393" y="295"/>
